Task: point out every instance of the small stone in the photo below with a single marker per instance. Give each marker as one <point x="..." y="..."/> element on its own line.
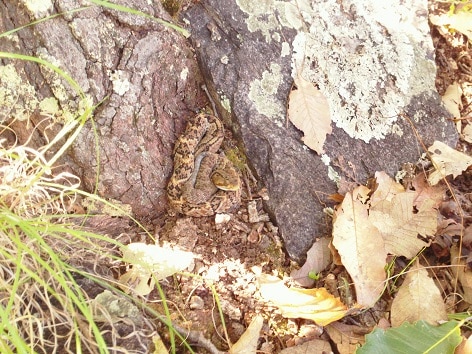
<point x="253" y="236"/>
<point x="264" y="194"/>
<point x="252" y="211"/>
<point x="237" y="329"/>
<point x="224" y="59"/>
<point x="222" y="219"/>
<point x="196" y="303"/>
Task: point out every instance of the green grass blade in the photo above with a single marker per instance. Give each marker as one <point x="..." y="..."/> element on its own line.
<point x="122" y="8"/>
<point x="8" y="33"/>
<point x="53" y="67"/>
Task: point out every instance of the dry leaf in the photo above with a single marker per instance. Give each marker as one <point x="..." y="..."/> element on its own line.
<point x="424" y="191"/>
<point x="467" y="237"/>
<point x="361" y="248"/>
<point x="418" y="299"/>
<point x="461" y="21"/>
<point x="314" y="346"/>
<point x="150" y="263"/>
<point x="386" y="189"/>
<point x="400" y="224"/>
<point x="247" y="343"/>
<point x="347" y="337"/>
<point x="317" y="259"/>
<point x="452" y="99"/>
<point x="463" y="274"/>
<point x="447" y="161"/>
<point x="309" y="111"/>
<point x="467" y="133"/>
<point x="314" y="304"/>
<point x="369" y="225"/>
<point x="465" y="347"/>
<point x="449" y="227"/>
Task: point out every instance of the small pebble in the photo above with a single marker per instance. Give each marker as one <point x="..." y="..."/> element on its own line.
<point x="222" y="219"/>
<point x="196" y="303"/>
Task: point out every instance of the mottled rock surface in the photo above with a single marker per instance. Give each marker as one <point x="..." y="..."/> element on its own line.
<point x="373" y="61"/>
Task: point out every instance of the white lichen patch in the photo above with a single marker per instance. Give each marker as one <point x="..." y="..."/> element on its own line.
<point x="295" y="14"/>
<point x="38" y="7"/>
<point x="262" y="16"/>
<point x="285" y="49"/>
<point x="263" y="93"/>
<point x="49" y="106"/>
<point x="225" y="102"/>
<point x="325" y="159"/>
<point x="256" y="8"/>
<point x="368" y="58"/>
<point x="120" y="82"/>
<point x="333" y="175"/>
<point x="18" y="99"/>
<point x="370" y="67"/>
<point x="184" y="74"/>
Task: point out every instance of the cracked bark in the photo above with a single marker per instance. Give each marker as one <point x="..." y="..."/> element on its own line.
<point x="144" y="75"/>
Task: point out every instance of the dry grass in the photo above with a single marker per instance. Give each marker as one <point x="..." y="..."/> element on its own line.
<point x="43" y="260"/>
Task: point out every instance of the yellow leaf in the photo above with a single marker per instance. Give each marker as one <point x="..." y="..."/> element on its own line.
<point x="447" y="161"/>
<point x="309" y="111"/>
<point x="361" y="248"/>
<point x="314" y="304"/>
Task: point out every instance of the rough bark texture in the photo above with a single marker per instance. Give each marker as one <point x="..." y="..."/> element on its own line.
<point x="369" y="66"/>
<point x="145" y="76"/>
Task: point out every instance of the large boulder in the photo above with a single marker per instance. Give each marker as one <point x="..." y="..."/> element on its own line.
<point x="374" y="63"/>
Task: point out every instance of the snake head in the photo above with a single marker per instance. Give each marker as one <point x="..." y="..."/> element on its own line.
<point x="226" y="179"/>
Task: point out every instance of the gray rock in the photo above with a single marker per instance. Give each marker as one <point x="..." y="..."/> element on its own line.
<point x="372" y="60"/>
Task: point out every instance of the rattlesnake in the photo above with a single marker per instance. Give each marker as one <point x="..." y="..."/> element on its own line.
<point x="203" y="182"/>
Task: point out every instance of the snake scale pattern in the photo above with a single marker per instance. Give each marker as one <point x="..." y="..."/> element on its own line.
<point x="203" y="182"/>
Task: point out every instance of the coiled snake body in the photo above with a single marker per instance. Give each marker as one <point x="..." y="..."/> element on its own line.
<point x="203" y="182"/>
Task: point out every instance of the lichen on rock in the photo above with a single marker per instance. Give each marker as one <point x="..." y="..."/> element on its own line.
<point x="17" y="98"/>
<point x="262" y="93"/>
<point x="369" y="68"/>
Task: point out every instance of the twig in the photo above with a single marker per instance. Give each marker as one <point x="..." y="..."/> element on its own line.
<point x="215" y="112"/>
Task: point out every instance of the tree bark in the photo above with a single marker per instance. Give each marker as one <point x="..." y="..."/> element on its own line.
<point x="142" y="75"/>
